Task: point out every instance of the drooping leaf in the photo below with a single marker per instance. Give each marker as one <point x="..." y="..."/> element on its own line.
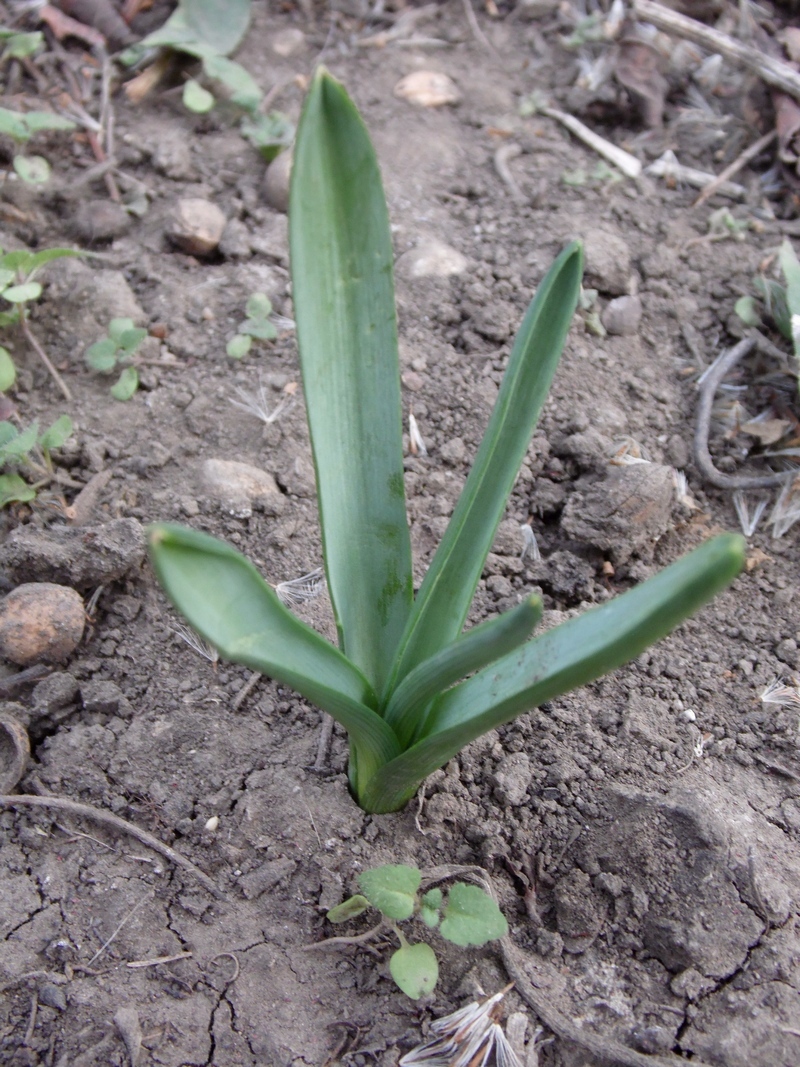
<point x="391" y="889"/>
<point x="12" y="124"/>
<point x="415" y="969"/>
<point x="344" y="307"/>
<point x="568" y="656"/>
<point x="222" y="596"/>
<point x="745" y="308"/>
<point x="441" y="605"/>
<point x="22" y="441"/>
<point x="471" y="917"/>
<point x="348" y="909"/>
<point x="39" y="121"/>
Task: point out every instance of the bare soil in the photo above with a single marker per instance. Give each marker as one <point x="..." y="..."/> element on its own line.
<point x="641" y="833"/>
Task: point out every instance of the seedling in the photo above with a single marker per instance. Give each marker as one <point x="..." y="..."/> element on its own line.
<point x="19" y="288"/>
<point x="257" y="326"/>
<point x="468" y="916"/>
<point x="407" y="685"/>
<point x="21" y="127"/>
<point x="269" y="134"/>
<point x="117" y="351"/>
<point x="27" y="452"/>
<point x="781" y="302"/>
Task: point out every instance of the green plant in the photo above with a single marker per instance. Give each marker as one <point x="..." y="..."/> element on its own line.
<point x="256" y="326"/>
<point x="467" y="916"/>
<point x="21" y="127"/>
<point x="18" y="287"/>
<point x="28" y="452"/>
<point x="399" y="681"/>
<point x="781" y="302"/>
<point x="269" y="134"/>
<point x="117" y="351"/>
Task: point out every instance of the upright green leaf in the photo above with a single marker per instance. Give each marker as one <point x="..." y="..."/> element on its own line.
<point x="224" y="598"/>
<point x="346" y="330"/>
<point x="568" y="656"/>
<point x="443" y="601"/>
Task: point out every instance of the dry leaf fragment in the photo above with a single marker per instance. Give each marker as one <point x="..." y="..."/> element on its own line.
<point x="768" y="431"/>
<point x="428" y="88"/>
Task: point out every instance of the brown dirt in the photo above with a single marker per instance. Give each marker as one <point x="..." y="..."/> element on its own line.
<point x="656" y="812"/>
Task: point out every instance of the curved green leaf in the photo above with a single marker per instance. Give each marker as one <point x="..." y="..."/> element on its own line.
<point x="415" y="969"/>
<point x="568" y="656"/>
<point x="475" y="649"/>
<point x="471" y="917"/>
<point x="446" y="593"/>
<point x="225" y="599"/>
<point x="392" y="889"/>
<point x="346" y="331"/>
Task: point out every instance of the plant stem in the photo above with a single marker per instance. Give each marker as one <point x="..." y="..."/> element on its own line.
<point x="43" y="356"/>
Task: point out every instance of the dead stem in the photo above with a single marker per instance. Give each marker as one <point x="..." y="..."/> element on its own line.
<point x="702" y="456"/>
<point x="43" y="356"/>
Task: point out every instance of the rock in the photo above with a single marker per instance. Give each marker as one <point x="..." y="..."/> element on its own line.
<point x="566" y="575"/>
<point x="271" y="238"/>
<point x="235" y="243"/>
<point x="172" y="157"/>
<point x="454" y="451"/>
<point x="15" y="749"/>
<point x="105" y="698"/>
<point x="288" y="42"/>
<point x="625" y="513"/>
<point x="589" y="448"/>
<point x="623" y="315"/>
<point x="511" y="779"/>
<point x="608" y="261"/>
<point x="266" y="877"/>
<point x="52" y="996"/>
<point x="54" y="697"/>
<point x="240" y="488"/>
<point x="428" y="88"/>
<point x="100" y="220"/>
<point x="580" y="912"/>
<point x="80" y="557"/>
<point x="197" y="226"/>
<point x="40" y="623"/>
<point x="275" y="186"/>
<point x="431" y="259"/>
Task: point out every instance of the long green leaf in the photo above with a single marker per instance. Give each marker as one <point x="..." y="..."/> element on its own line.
<point x="446" y="593"/>
<point x="561" y="659"/>
<point x="346" y="331"/>
<point x="481" y="645"/>
<point x="225" y="599"/>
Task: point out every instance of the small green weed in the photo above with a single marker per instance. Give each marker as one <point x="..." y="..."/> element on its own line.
<point x="19" y="288"/>
<point x="257" y="326"/>
<point x="468" y="916"/>
<point x="117" y="352"/>
<point x="25" y="455"/>
<point x="21" y="127"/>
<point x="781" y="303"/>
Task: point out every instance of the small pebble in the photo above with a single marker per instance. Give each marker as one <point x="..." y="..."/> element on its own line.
<point x="623" y="315"/>
<point x="276" y="182"/>
<point x="428" y="88"/>
<point x="197" y="226"/>
<point x="608" y="261"/>
<point x="40" y="623"/>
<point x="431" y="259"/>
<point x="240" y="487"/>
<point x="101" y="220"/>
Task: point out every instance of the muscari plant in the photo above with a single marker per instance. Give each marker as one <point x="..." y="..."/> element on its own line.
<point x="409" y="688"/>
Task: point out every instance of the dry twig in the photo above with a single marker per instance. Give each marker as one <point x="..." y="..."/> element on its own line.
<point x="773" y="71"/>
<point x="114" y="821"/>
<point x="702" y="456"/>
<point x="735" y="166"/>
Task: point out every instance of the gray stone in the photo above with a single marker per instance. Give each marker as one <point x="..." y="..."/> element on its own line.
<point x="580" y="912"/>
<point x="625" y="513"/>
<point x="240" y="488"/>
<point x="623" y="315"/>
<point x="511" y="779"/>
<point x="608" y="261"/>
<point x="431" y="259"/>
<point x="101" y="220"/>
<point x="235" y="243"/>
<point x="80" y="557"/>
